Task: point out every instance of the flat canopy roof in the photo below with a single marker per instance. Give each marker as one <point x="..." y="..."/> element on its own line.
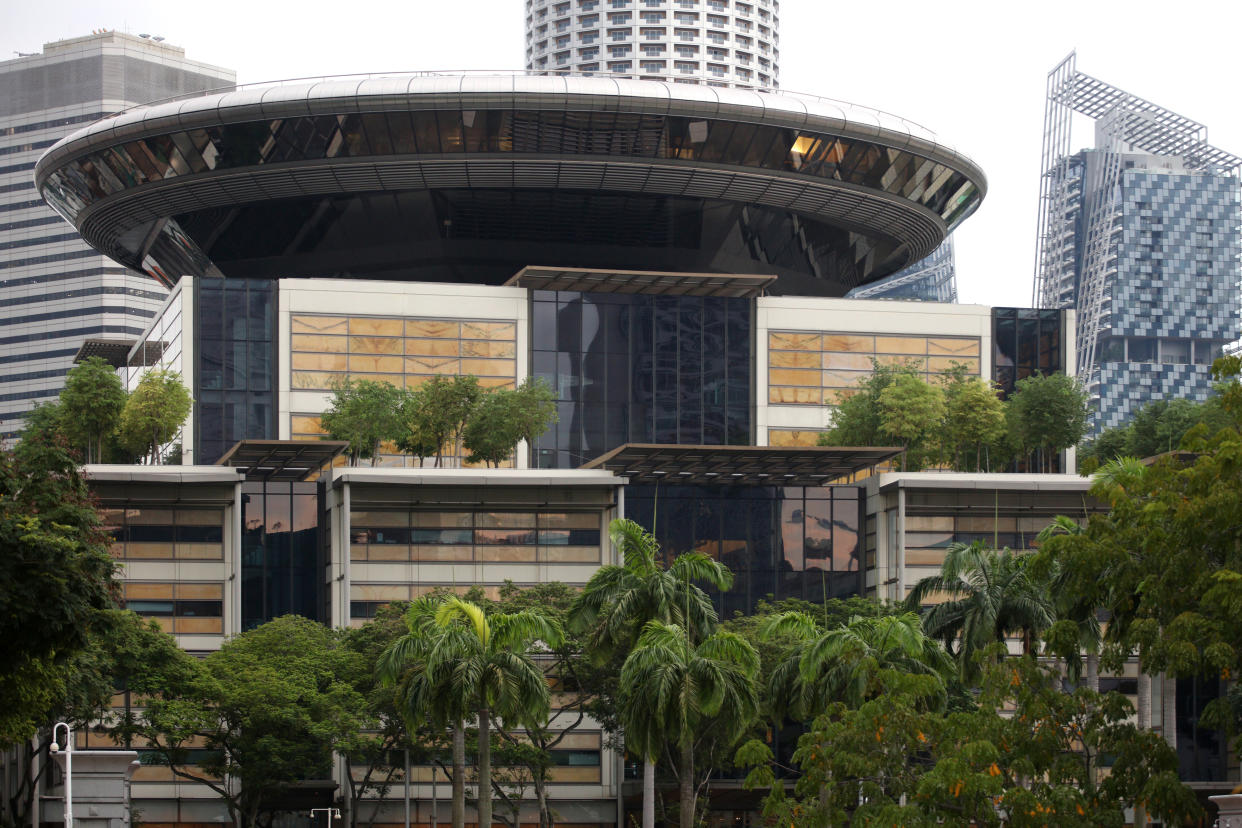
<point x="587" y="280"/>
<point x="283" y="460"/>
<point x="739" y="465"/>
<point x="115" y="352"/>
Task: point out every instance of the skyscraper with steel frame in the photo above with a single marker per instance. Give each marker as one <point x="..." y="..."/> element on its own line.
<point x="1140" y="235"/>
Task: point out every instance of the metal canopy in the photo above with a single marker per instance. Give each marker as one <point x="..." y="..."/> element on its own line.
<point x="281" y="460"/>
<point x="586" y="280"/>
<point x="115" y="352"/>
<point x="739" y="465"/>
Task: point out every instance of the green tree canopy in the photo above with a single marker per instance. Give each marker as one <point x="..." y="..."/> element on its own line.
<point x="366" y="414"/>
<point x="1027" y="755"/>
<point x="504" y="417"/>
<point x="90" y="405"/>
<point x="911" y="410"/>
<point x="154" y="413"/>
<point x="56" y="578"/>
<point x="268" y="709"/>
<point x="974" y="421"/>
<point x="1047" y="414"/>
<point x="1157" y="427"/>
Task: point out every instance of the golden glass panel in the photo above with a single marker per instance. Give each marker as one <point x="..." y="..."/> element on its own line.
<point x="378" y="592"/>
<point x="432" y="520"/>
<point x="149" y="550"/>
<point x="793" y="341"/>
<point x="917" y="363"/>
<point x="315" y="380"/>
<point x="432" y="365"/>
<point x="795" y="396"/>
<point x="849" y="342"/>
<point x="318" y="362"/>
<point x="916" y="345"/>
<point x="508" y="554"/>
<point x="358" y="552"/>
<point x="924" y="557"/>
<point x="432" y="553"/>
<point x="987" y="524"/>
<point x="793" y="359"/>
<point x="953" y="345"/>
<point x="844" y="379"/>
<point x="200" y="517"/>
<point x="569" y="554"/>
<point x="792" y="437"/>
<point x="367" y="326"/>
<point x="569" y="520"/>
<point x="504" y="520"/>
<point x="433" y="347"/>
<point x="150" y="517"/>
<point x="374" y="345"/>
<point x="482" y="348"/>
<point x="581" y="741"/>
<point x="488" y="367"/>
<point x="199" y="626"/>
<point x="489" y="330"/>
<point x="566" y="773"/>
<point x="389" y="552"/>
<point x="319" y="324"/>
<point x="379" y="519"/>
<point x="938" y="364"/>
<point x="792" y="376"/>
<point x="929" y="523"/>
<point x="495" y="382"/>
<point x="847" y="361"/>
<point x="436" y="328"/>
<point x="319" y="343"/>
<point x="306" y="424"/>
<point x="148" y="592"/>
<point x="838" y="396"/>
<point x="375" y="364"/>
<point x="200" y="551"/>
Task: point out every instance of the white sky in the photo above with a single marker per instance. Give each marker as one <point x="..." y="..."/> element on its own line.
<point x="972" y="72"/>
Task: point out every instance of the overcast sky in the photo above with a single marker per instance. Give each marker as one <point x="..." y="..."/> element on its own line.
<point x="972" y="72"/>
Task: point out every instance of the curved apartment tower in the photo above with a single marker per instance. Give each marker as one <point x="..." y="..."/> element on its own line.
<point x="714" y="42"/>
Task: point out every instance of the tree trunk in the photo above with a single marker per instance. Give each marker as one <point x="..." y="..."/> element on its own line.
<point x="1093" y="672"/>
<point x="485" y="770"/>
<point x="459" y="774"/>
<point x="541" y="798"/>
<point x="687" y="785"/>
<point x="648" y="793"/>
<point x="1144" y="722"/>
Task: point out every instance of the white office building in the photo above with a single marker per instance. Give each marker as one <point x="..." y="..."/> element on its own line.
<point x="55" y="290"/>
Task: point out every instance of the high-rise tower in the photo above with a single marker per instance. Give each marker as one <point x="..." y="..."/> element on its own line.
<point x="55" y="291"/>
<point x="1141" y="235"/>
<point x="716" y="42"/>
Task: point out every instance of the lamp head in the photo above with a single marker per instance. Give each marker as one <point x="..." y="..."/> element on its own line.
<point x="55" y="748"/>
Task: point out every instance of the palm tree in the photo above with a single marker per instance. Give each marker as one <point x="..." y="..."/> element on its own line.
<point x="991" y="596"/>
<point x="480" y="664"/>
<point x="670" y="686"/>
<point x="1071" y="605"/>
<point x="619" y="600"/>
<point x="846" y="663"/>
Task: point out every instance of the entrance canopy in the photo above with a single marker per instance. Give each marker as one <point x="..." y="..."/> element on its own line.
<point x="740" y="465"/>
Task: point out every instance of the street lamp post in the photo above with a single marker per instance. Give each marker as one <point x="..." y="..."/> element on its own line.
<point x="55" y="748"/>
<point x="330" y="813"/>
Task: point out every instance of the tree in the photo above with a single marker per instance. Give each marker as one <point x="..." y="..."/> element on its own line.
<point x="439" y="411"/>
<point x="1026" y="756"/>
<point x="154" y="413"/>
<point x="365" y="414"/>
<point x="1047" y="414"/>
<point x="91" y="404"/>
<point x="482" y="663"/>
<point x="44" y="421"/>
<point x="670" y="686"/>
<point x="267" y="709"/>
<point x="991" y="596"/>
<point x="974" y="420"/>
<point x="844" y="663"/>
<point x="912" y="411"/>
<point x="856" y="420"/>
<point x="56" y="578"/>
<point x="1157" y="427"/>
<point x="1164" y="562"/>
<point x="503" y="418"/>
<point x="618" y="601"/>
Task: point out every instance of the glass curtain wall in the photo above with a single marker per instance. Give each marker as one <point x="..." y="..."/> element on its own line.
<point x="281" y="553"/>
<point x="779" y="542"/>
<point x="640" y="369"/>
<point x="233" y="380"/>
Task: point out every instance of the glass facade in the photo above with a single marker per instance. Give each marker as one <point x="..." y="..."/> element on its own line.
<point x="282" y="560"/>
<point x="790" y="542"/>
<point x="234" y="376"/>
<point x="1026" y="342"/>
<point x="181" y="608"/>
<point x="640" y="369"/>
